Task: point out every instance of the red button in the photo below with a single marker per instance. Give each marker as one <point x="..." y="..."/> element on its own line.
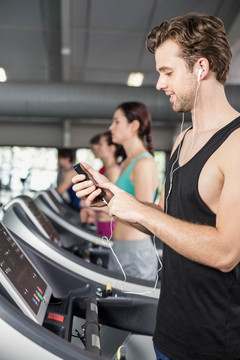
<point x="40" y="290"/>
<point x="55" y="317"/>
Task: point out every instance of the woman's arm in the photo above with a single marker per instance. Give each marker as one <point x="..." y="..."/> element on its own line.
<point x="66" y="183"/>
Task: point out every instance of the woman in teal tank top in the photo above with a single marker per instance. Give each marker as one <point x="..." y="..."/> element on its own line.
<point x="131" y="128"/>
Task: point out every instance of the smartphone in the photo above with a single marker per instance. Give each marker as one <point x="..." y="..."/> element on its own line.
<point x="80" y="169"/>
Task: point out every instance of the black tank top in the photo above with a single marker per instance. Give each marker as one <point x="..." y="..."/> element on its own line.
<point x="199" y="308"/>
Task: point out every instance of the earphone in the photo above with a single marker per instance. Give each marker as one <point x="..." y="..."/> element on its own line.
<point x="199" y="74"/>
<point x="172" y="170"/>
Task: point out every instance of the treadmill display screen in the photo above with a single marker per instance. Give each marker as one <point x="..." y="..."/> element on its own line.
<point x="42" y="220"/>
<point x="19" y="276"/>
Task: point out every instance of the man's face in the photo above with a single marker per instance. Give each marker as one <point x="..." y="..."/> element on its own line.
<point x="174" y="77"/>
<point x="104" y="149"/>
<point x="64" y="162"/>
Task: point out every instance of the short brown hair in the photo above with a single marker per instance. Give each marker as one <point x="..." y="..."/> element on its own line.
<point x="198" y="35"/>
<point x="67" y="153"/>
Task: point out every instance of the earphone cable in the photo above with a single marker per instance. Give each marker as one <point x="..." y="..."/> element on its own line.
<point x="172" y="170"/>
<point x="108" y="242"/>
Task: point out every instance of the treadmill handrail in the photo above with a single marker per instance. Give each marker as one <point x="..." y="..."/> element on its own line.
<point x="91" y="327"/>
<point x="48" y="200"/>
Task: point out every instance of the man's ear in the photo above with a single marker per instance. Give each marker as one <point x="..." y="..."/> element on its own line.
<point x="202" y="64"/>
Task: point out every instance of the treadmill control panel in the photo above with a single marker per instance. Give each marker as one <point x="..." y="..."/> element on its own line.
<point x="42" y="220"/>
<point x="21" y="279"/>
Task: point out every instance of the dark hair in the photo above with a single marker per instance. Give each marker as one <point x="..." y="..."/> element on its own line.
<point x="95" y="139"/>
<point x="119" y="153"/>
<point x="67" y="153"/>
<point x="137" y="111"/>
<point x="198" y="35"/>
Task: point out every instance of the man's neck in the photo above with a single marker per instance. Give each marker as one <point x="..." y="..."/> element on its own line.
<point x="213" y="110"/>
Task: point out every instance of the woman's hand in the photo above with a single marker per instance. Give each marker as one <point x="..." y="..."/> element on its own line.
<point x="87" y="190"/>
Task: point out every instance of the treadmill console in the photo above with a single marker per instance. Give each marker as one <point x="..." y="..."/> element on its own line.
<point x="42" y="220"/>
<point x="49" y="199"/>
<point x="21" y="279"/>
<point x="36" y="216"/>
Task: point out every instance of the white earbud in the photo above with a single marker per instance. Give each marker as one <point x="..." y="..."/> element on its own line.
<point x="199" y="73"/>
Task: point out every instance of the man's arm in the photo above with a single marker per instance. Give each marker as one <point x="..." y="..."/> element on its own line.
<point x="141" y="227"/>
<point x="87" y="191"/>
<point x="218" y="246"/>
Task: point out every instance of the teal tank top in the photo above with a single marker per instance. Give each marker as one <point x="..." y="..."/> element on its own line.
<point x="124" y="181"/>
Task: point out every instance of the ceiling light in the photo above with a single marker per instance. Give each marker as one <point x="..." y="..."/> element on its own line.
<point x="65" y="51"/>
<point x="3" y="76"/>
<point x="135" y="79"/>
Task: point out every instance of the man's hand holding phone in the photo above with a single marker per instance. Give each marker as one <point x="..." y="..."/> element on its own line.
<point x="87" y="186"/>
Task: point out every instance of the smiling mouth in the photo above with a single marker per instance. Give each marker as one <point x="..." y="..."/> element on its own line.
<point x="171" y="96"/>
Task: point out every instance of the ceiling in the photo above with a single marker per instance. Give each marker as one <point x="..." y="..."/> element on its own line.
<point x="72" y="58"/>
<point x="95" y="41"/>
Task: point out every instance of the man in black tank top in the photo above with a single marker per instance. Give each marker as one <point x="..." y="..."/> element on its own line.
<point x="198" y="217"/>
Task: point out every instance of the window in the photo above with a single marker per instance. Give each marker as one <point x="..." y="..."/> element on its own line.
<point x="27" y="168"/>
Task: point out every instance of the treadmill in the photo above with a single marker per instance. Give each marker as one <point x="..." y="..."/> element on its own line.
<point x="74" y="238"/>
<point x="63" y="220"/>
<point x="47" y="311"/>
<point x="70" y="212"/>
<point x="43" y="224"/>
<point x="51" y="203"/>
<point x="66" y="207"/>
<point x="23" y="218"/>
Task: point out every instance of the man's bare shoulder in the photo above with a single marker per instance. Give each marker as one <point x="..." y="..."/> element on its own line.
<point x="230" y="149"/>
<point x="233" y="139"/>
